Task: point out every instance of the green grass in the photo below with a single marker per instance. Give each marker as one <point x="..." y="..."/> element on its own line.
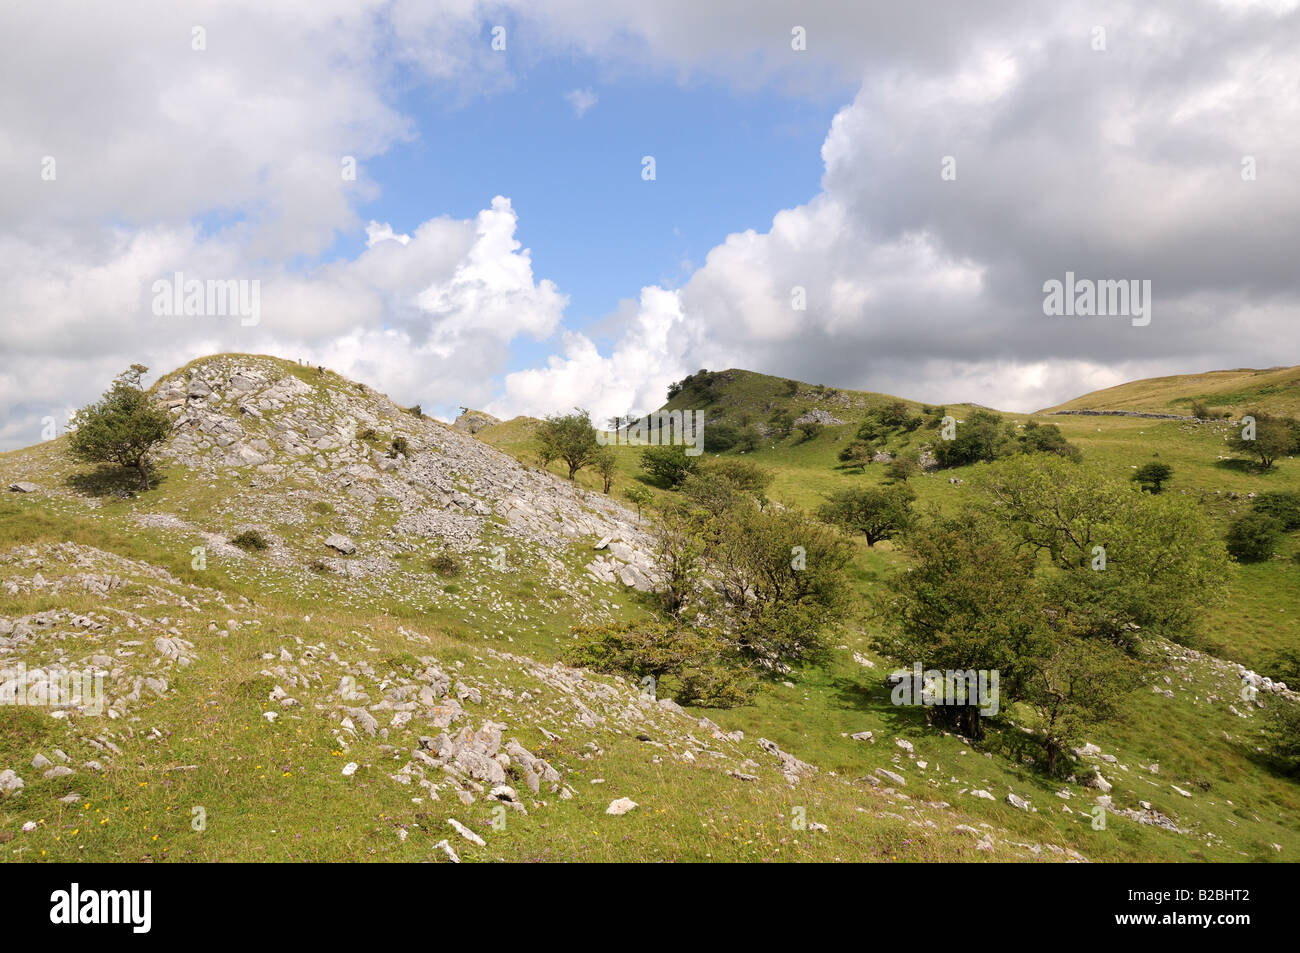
<point x="276" y="791"/>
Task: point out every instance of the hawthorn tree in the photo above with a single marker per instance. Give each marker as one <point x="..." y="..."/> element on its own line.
<point x="122" y="428"/>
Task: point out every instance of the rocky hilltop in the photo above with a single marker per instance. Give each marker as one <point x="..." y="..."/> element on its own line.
<point x="309" y="439"/>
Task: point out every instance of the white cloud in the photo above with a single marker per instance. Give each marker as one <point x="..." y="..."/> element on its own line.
<point x="581" y="100"/>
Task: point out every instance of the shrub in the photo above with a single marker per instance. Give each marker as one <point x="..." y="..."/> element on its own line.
<point x="669" y="464"/>
<point x="399" y="447"/>
<point x="251" y="541"/>
<point x="446" y="564"/>
<point x="1252" y="537"/>
<point x="368" y="435"/>
<point x="1282" y="505"/>
<point x="699" y="664"/>
<point x="810" y="429"/>
<point x="747" y="440"/>
<point x="719" y="438"/>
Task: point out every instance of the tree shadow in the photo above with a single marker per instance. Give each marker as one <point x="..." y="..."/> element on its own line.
<point x="1238" y="465"/>
<point x="108" y="481"/>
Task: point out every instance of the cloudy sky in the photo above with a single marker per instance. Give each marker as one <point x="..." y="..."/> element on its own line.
<point x="450" y="199"/>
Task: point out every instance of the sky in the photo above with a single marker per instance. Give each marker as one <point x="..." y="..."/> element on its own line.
<point x="452" y="200"/>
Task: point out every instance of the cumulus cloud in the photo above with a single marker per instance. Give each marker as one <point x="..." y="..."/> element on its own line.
<point x="234" y="158"/>
<point x="1122" y="163"/>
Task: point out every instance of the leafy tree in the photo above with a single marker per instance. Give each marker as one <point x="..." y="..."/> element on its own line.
<point x="679" y="557"/>
<point x="1282" y="735"/>
<point x="699" y="663"/>
<point x="719" y="438"/>
<point x="893" y="414"/>
<point x="966" y="602"/>
<point x="1046" y="438"/>
<point x="1153" y="476"/>
<point x="1282" y="505"/>
<point x="1274" y="437"/>
<point x="857" y="454"/>
<point x="983" y="436"/>
<point x="122" y="428"/>
<point x="876" y="512"/>
<point x="606" y="463"/>
<point x="744" y="475"/>
<point x="1073" y="686"/>
<point x="570" y="438"/>
<point x="669" y="463"/>
<point x="781" y="422"/>
<point x="746" y="440"/>
<point x="1251" y="538"/>
<point x="810" y="429"/>
<point x="1123" y="561"/>
<point x="639" y="497"/>
<point x="903" y="467"/>
<point x="782" y="578"/>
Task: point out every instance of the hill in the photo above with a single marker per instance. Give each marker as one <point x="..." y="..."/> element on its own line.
<point x="391" y="663"/>
<point x="1275" y="391"/>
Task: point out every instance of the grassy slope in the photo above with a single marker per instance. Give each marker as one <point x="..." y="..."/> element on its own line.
<point x="276" y="791"/>
<point x="1185" y="736"/>
<point x="1275" y="390"/>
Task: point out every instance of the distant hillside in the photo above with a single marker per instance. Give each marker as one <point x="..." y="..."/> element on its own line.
<point x="742" y="398"/>
<point x="1275" y="390"/>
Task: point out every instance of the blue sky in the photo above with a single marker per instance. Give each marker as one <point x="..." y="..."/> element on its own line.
<point x="725" y="162"/>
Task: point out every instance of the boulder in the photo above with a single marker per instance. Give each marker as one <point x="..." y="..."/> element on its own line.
<point x="342" y="544"/>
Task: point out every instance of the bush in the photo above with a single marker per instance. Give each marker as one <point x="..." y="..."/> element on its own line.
<point x="743" y="475"/>
<point x="1282" y="505"/>
<point x="415" y="411"/>
<point x="982" y="437"/>
<point x="699" y="664"/>
<point x="122" y="428"/>
<point x="747" y="440"/>
<point x="399" y="447"/>
<point x="368" y="435"/>
<point x="719" y="438"/>
<point x="251" y="541"/>
<point x="1252" y="537"/>
<point x="810" y="429"/>
<point x="446" y="564"/>
<point x="669" y="464"/>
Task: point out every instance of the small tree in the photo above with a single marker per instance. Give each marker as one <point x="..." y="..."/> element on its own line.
<point x="570" y="438"/>
<point x="122" y="427"/>
<point x="809" y="429"/>
<point x="903" y="467"/>
<point x="1152" y="476"/>
<point x="638" y="496"/>
<point x="606" y="463"/>
<point x="1273" y="437"/>
<point x="876" y="512"/>
<point x="1252" y="537"/>
<point x="669" y="463"/>
<point x="1074" y="685"/>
